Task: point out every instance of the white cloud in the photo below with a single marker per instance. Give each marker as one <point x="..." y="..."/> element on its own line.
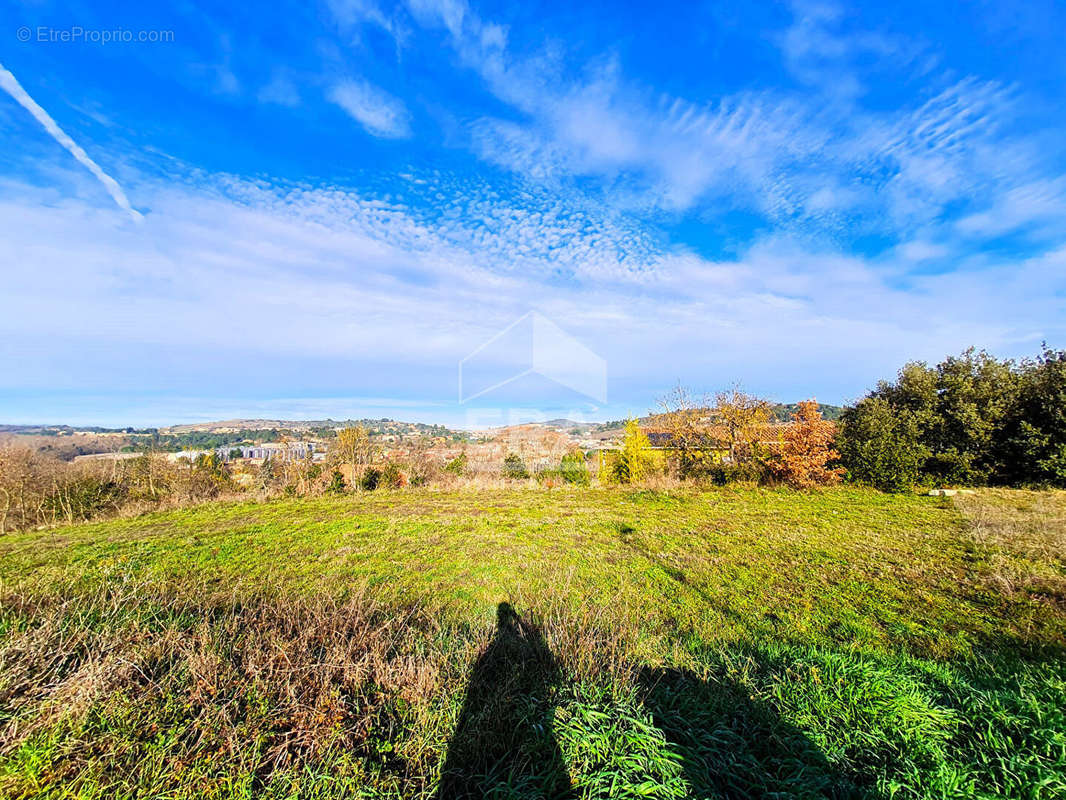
<point x="352" y="12"/>
<point x="921" y="250"/>
<point x="380" y="113"/>
<point x="811" y="160"/>
<point x="823" y="56"/>
<point x="449" y="13"/>
<point x="281" y="291"/>
<point x="10" y="85"/>
<point x="1038" y="208"/>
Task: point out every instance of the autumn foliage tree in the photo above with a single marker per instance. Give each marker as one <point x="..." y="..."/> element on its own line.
<point x="803" y="456"/>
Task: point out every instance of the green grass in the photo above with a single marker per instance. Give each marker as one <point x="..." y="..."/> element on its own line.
<point x="733" y="643"/>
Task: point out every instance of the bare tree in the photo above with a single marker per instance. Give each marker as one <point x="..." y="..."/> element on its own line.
<point x="685" y="419"/>
<point x="354" y="449"/>
<point x="421" y="465"/>
<point x="25" y="480"/>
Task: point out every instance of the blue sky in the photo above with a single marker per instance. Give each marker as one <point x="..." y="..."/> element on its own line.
<point x="319" y="209"/>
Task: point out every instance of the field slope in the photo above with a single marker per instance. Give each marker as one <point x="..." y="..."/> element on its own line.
<point x="521" y="643"/>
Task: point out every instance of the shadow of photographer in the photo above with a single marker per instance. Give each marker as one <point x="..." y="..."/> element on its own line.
<point x="728" y="744"/>
<point x="503" y="742"/>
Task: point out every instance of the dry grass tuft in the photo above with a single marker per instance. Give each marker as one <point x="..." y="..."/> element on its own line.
<point x="1023" y="534"/>
<point x="1028" y="523"/>
<point x="255" y="685"/>
<point x="302" y="677"/>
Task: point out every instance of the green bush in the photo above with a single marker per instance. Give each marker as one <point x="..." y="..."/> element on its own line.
<point x="725" y="472"/>
<point x="371" y="479"/>
<point x="881" y="445"/>
<point x="336" y="483"/>
<point x="83" y="497"/>
<point x="457" y="466"/>
<point x="1035" y="448"/>
<point x="573" y="469"/>
<point x="392" y="476"/>
<point x="514" y="467"/>
<point x="972" y="419"/>
<point x="635" y="460"/>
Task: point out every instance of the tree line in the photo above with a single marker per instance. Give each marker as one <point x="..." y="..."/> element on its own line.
<point x="972" y="420"/>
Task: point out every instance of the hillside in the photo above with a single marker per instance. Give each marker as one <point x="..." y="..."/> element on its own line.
<point x="620" y="643"/>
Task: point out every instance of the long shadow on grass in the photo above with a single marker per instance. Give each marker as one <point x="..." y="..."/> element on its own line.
<point x="731" y="746"/>
<point x="503" y="743"/>
<point x="728" y="745"/>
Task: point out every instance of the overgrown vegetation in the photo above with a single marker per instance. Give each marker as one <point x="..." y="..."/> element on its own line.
<point x="732" y="643"/>
<point x="574" y="469"/>
<point x="634" y="461"/>
<point x="38" y="490"/>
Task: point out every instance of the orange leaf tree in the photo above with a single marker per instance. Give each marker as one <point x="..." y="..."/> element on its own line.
<point x="803" y="456"/>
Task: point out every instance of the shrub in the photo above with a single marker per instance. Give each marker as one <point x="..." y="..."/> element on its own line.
<point x="573" y="469"/>
<point x="514" y="467"/>
<point x="724" y="472"/>
<point x="371" y="479"/>
<point x="1034" y="448"/>
<point x="336" y="483"/>
<point x="83" y="496"/>
<point x="206" y="477"/>
<point x="549" y="478"/>
<point x="457" y="466"/>
<point x="974" y="394"/>
<point x="393" y="477"/>
<point x="422" y="468"/>
<point x="972" y="419"/>
<point x="268" y="473"/>
<point x="635" y="459"/>
<point x="606" y="462"/>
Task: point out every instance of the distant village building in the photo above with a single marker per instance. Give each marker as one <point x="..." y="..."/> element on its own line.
<point x="275" y="451"/>
<point x="292" y="451"/>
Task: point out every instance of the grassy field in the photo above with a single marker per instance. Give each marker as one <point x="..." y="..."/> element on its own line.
<point x="532" y="643"/>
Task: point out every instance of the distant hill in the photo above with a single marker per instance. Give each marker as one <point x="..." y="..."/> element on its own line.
<point x="784" y="411"/>
<point x="221" y="432"/>
<point x="67" y="441"/>
<point x="384" y="425"/>
<point x="323" y="428"/>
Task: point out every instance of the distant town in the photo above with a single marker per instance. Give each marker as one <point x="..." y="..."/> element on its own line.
<point x="246" y="444"/>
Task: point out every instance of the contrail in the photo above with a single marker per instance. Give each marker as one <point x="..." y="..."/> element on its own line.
<point x="14" y="88"/>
